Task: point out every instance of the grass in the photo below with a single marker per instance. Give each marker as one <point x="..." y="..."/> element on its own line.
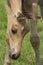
<point x="27" y="54"/>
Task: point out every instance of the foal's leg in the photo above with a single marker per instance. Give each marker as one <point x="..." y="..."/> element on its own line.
<point x="34" y="38"/>
<point x="40" y="3"/>
<point x="41" y="10"/>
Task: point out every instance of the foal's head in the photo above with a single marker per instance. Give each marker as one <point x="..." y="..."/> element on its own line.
<point x="16" y="31"/>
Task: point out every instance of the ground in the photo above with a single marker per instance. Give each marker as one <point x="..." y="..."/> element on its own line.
<point x="27" y="53"/>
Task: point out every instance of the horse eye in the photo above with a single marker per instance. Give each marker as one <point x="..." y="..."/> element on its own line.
<point x="14" y="31"/>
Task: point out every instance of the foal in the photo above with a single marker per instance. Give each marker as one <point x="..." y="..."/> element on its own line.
<point x="18" y="13"/>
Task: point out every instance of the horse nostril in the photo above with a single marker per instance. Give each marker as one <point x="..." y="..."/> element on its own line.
<point x="14" y="56"/>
